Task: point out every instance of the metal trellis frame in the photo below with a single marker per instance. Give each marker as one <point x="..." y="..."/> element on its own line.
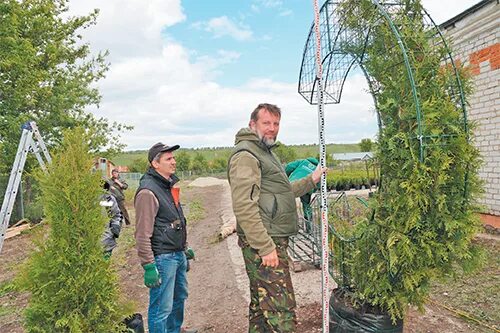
<point x="333" y="49"/>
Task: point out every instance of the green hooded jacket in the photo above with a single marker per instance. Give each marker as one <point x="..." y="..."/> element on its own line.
<point x="263" y="197"/>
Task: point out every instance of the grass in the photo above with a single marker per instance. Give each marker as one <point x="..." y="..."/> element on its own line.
<point x="195" y="211"/>
<point x="5" y="310"/>
<point x="126" y="241"/>
<point x="475" y="294"/>
<point x="130" y="194"/>
<point x="7" y="287"/>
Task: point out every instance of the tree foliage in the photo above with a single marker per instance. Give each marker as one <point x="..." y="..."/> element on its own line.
<point x="424" y="213"/>
<point x="285" y="153"/>
<point x="183" y="160"/>
<point x="73" y="288"/>
<point x="140" y="165"/>
<point x="199" y="163"/>
<point x="218" y="164"/>
<point x="366" y="145"/>
<point x="47" y="75"/>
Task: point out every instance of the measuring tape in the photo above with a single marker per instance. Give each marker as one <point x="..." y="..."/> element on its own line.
<point x="325" y="273"/>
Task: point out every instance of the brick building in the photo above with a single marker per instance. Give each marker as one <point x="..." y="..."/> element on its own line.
<point x="475" y="35"/>
<point x="104" y="165"/>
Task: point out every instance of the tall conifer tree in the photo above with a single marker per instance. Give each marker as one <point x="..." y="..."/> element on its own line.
<point x="73" y="288"/>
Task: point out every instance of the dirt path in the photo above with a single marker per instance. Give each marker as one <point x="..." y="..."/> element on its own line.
<point x="217" y="281"/>
<point x="215" y="303"/>
<point x="218" y="284"/>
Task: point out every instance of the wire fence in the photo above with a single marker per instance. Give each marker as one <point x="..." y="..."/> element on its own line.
<point x="27" y="204"/>
<point x="133" y="178"/>
<point x="345" y="210"/>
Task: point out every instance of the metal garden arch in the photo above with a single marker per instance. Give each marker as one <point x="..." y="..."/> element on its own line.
<point x="345" y="44"/>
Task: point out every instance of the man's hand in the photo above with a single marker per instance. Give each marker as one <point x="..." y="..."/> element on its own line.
<point x="271" y="259"/>
<point x="316" y="175"/>
<point x="151" y="276"/>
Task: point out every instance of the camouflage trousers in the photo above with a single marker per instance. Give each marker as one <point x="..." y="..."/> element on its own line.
<point x="272" y="300"/>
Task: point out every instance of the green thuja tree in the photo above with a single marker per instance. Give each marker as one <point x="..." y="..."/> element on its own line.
<point x="424" y="212"/>
<point x="73" y="288"/>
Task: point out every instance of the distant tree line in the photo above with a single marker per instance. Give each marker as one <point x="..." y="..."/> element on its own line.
<point x="201" y="160"/>
<point x="197" y="162"/>
<point x="186" y="161"/>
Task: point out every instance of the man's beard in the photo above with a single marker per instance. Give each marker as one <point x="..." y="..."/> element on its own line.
<point x="268" y="142"/>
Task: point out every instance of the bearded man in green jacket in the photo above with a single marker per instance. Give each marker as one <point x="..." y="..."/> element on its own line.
<point x="266" y="216"/>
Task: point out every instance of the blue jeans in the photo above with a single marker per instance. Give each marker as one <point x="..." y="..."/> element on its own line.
<point x="166" y="302"/>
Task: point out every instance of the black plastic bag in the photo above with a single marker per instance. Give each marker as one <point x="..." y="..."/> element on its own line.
<point x="344" y="318"/>
<point x="134" y="323"/>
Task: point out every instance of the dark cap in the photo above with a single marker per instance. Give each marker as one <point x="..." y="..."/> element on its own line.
<point x="160" y="148"/>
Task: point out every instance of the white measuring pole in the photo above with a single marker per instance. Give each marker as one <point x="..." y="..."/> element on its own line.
<point x="322" y="154"/>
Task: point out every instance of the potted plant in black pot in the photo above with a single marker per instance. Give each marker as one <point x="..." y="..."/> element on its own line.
<point x="421" y="220"/>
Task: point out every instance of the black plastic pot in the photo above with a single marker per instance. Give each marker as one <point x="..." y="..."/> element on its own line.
<point x="135" y="323"/>
<point x="344" y="318"/>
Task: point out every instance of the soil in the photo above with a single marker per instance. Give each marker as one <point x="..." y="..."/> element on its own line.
<point x="217" y="281"/>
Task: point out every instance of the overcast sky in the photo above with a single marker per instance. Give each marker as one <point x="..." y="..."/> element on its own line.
<point x="190" y="72"/>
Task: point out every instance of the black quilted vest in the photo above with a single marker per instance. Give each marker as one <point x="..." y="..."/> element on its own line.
<point x="169" y="232"/>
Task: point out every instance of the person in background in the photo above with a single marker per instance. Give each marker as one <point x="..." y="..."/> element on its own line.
<point x="266" y="215"/>
<point x="161" y="235"/>
<point x="299" y="169"/>
<point x="114" y="224"/>
<point x="119" y="185"/>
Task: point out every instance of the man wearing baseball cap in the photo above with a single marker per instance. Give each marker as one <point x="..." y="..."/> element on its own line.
<point x="161" y="240"/>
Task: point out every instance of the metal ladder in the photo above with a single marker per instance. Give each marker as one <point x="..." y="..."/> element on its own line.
<point x="31" y="141"/>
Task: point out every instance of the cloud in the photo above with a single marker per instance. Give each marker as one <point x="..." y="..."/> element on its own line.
<point x="270" y="3"/>
<point x="224" y="26"/>
<point x="128" y="28"/>
<point x="169" y="99"/>
<point x="286" y="12"/>
<point x="168" y="92"/>
<point x="274" y="5"/>
<point x="440" y="11"/>
<point x="211" y="64"/>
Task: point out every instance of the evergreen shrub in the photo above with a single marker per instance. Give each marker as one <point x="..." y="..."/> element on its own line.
<point x="425" y="208"/>
<point x="73" y="288"/>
